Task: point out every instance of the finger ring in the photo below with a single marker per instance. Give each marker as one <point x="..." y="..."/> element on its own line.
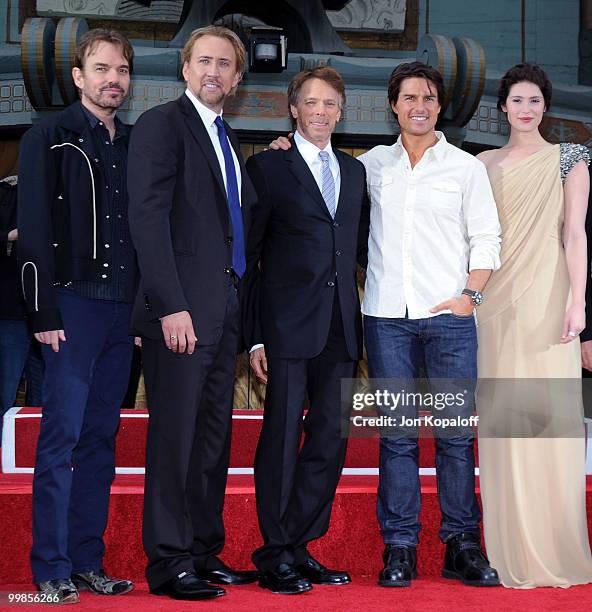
<point x="173" y="337"/>
<point x="572" y="334"/>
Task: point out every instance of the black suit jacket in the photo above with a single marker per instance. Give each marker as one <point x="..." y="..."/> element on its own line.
<point x="179" y="220"/>
<point x="303" y="255"/>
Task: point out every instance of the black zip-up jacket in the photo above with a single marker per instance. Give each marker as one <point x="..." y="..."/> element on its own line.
<point x="63" y="231"/>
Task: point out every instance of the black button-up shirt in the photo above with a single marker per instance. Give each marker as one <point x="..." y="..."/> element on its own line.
<point x="120" y="268"/>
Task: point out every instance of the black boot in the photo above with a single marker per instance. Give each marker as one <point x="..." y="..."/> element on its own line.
<point x="400" y="566"/>
<point x="466" y="562"/>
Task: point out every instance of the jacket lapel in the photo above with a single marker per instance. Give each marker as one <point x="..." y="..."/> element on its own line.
<point x="344" y="183"/>
<point x="301" y="171"/>
<point x="201" y="136"/>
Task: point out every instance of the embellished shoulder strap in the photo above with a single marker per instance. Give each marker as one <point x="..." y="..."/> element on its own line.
<point x="570" y="155"/>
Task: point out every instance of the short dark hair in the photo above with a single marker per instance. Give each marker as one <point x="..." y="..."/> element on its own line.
<point x="324" y="73"/>
<point x="417" y="70"/>
<point x="529" y="73"/>
<point x="91" y="39"/>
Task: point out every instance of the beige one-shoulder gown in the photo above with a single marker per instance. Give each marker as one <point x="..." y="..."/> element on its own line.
<point x="531" y="434"/>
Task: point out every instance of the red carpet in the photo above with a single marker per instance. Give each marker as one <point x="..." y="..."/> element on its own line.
<point x="434" y="594"/>
<point x="353" y="541"/>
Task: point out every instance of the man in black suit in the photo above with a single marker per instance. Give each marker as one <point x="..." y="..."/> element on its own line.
<point x="308" y="230"/>
<point x="190" y="200"/>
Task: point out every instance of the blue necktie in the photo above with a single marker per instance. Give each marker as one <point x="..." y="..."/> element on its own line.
<point x="327" y="183"/>
<point x="238" y="235"/>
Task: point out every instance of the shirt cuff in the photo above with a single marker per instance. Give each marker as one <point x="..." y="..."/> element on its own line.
<point x="255" y="347"/>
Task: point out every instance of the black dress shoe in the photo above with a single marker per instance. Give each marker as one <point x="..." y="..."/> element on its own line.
<point x="188" y="586"/>
<point x="400" y="566"/>
<point x="319" y="574"/>
<point x="466" y="562"/>
<point x="227" y="576"/>
<point x="284" y="579"/>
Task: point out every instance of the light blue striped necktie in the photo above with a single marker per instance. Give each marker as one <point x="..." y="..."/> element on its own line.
<point x="327" y="183"/>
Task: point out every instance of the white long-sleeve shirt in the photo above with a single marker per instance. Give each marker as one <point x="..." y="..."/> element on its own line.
<point x="429" y="227"/>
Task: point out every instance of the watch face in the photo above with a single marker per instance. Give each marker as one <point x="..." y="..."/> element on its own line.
<point x="477" y="298"/>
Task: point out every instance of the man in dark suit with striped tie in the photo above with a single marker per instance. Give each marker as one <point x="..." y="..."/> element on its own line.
<point x="190" y="200"/>
<point x="309" y="229"/>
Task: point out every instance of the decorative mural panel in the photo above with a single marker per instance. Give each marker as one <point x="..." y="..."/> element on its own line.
<point x="383" y="15"/>
<point x="357" y="15"/>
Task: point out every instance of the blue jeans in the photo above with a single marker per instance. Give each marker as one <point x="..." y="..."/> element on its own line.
<point x="440" y="347"/>
<point x="75" y="462"/>
<point x="18" y="354"/>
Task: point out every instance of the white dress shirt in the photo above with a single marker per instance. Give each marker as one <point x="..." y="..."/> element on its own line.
<point x="310" y="153"/>
<point x="208" y="116"/>
<point x="429" y="226"/>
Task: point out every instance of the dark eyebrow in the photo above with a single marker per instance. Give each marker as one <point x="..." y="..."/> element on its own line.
<point x="103" y="65"/>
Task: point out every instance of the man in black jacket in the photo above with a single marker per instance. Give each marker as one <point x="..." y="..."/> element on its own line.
<point x="190" y="204"/>
<point x="77" y="268"/>
<point x="309" y="229"/>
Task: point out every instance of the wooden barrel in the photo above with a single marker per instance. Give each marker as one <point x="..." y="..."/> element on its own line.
<point x="470" y="80"/>
<point x="37" y="59"/>
<point x="68" y="34"/>
<point x="439" y="52"/>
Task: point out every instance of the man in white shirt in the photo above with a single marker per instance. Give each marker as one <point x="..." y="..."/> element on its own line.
<point x="434" y="241"/>
<point x="309" y="228"/>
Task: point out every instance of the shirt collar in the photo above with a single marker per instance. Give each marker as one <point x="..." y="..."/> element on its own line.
<point x="438" y="150"/>
<point x="309" y="151"/>
<point x="208" y="116"/>
<point x="93" y="120"/>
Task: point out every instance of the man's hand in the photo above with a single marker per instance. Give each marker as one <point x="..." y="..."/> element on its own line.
<point x="138" y="341"/>
<point x="177" y="329"/>
<point x="52" y="337"/>
<point x="13" y="235"/>
<point x="587" y="355"/>
<point x="461" y="306"/>
<point x="259" y="364"/>
<point x="281" y="143"/>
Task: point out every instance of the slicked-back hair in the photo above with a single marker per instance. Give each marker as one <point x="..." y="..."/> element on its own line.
<point x="415" y="70"/>
<point x="219" y="32"/>
<point x="91" y="39"/>
<point x="525" y="73"/>
<point x="324" y="73"/>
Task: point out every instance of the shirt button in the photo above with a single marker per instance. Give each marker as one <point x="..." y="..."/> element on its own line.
<point x="119" y="216"/>
<point x="106" y="142"/>
<point x="226" y="270"/>
<point x="330" y="284"/>
<point x="100" y="123"/>
<point x="117" y="190"/>
<point x="107" y="245"/>
<point x="115" y="165"/>
<point x="120" y="241"/>
<point x="105" y="265"/>
<point x="338" y="253"/>
<point x="96" y="160"/>
<point x="122" y="267"/>
<point x="103" y="276"/>
<point x="81" y="140"/>
<point x="107" y="216"/>
<point x="335" y="224"/>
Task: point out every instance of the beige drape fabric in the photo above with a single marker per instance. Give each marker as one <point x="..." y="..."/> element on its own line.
<point x="532" y="445"/>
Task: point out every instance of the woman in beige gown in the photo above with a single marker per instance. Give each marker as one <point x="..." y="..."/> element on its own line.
<point x="531" y="433"/>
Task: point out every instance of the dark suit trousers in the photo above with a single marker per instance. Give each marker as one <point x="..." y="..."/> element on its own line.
<point x="187" y="452"/>
<point x="295" y="487"/>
